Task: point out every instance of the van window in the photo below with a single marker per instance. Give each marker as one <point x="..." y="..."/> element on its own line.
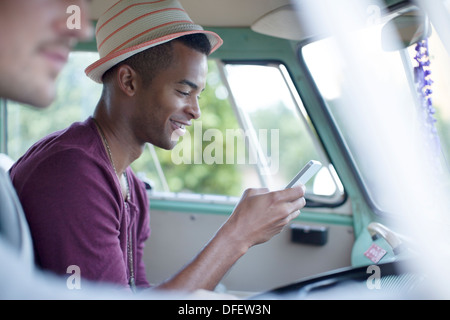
<point x="253" y="132"/>
<point x="275" y="121"/>
<point x="395" y="68"/>
<point x="76" y="99"/>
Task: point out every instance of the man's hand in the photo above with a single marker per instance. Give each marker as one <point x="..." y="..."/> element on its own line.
<point x="261" y="214"/>
<point x="258" y="216"/>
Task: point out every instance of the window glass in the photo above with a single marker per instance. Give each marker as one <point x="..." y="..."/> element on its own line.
<point x="77" y="96"/>
<point x="440" y="95"/>
<point x="393" y="67"/>
<point x="263" y="139"/>
<point x="274" y="120"/>
<point x="198" y="163"/>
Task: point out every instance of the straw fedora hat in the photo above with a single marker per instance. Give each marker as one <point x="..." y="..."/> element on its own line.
<point x="132" y="26"/>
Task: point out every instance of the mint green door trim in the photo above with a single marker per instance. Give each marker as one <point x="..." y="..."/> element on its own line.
<point x="227" y="209"/>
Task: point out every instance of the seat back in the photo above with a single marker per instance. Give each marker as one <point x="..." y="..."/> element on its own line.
<point x="13" y="225"/>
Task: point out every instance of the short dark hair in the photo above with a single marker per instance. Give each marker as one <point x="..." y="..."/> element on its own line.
<point x="151" y="61"/>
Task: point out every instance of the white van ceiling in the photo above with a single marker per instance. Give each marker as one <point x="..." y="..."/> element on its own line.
<point x="209" y="13"/>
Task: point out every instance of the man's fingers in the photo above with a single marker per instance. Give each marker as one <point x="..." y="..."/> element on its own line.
<point x="295" y="209"/>
<point x="292" y="194"/>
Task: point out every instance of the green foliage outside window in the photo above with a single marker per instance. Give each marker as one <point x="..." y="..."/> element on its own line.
<point x="224" y="179"/>
<point x="76" y="100"/>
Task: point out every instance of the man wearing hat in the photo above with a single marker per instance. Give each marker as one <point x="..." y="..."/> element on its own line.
<point x="84" y="204"/>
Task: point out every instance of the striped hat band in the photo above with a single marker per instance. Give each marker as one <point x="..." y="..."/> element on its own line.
<point x="132" y="26"/>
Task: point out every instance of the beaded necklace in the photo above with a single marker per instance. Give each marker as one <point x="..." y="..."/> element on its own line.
<point x="127" y="197"/>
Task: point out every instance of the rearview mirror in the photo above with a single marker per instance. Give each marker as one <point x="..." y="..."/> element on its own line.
<point x="410" y="28"/>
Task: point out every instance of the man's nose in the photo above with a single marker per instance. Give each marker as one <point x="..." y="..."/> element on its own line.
<point x="194" y="109"/>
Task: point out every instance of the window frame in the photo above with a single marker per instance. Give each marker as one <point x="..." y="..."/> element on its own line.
<point x="313" y="201"/>
<point x="212" y="203"/>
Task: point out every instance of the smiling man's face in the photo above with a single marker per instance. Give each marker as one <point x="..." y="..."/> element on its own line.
<point x="34" y="47"/>
<point x="170" y="103"/>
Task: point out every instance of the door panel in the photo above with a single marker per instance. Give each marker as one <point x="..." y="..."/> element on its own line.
<point x="178" y="236"/>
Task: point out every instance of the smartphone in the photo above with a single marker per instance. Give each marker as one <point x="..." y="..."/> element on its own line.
<point x="307" y="172"/>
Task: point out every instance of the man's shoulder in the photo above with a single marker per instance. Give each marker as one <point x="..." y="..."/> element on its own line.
<point x="73" y="148"/>
<point x="79" y="135"/>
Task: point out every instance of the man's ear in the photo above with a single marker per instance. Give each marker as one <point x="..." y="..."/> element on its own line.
<point x="127" y="79"/>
